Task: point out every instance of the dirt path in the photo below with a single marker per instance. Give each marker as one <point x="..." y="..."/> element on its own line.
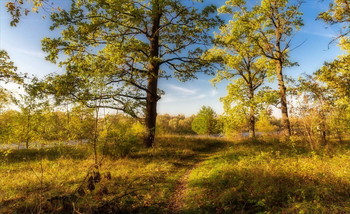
<point x="176" y="201"/>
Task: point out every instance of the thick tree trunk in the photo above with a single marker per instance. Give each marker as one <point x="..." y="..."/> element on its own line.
<point x="251" y="115"/>
<point x="283" y="97"/>
<point x="153" y="71"/>
<point x="151" y="112"/>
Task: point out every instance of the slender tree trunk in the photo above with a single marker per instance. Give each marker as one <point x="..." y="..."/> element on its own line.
<point x="323" y="129"/>
<point x="28" y="131"/>
<point x="283" y="97"/>
<point x="251" y="114"/>
<point x="152" y="96"/>
<point x="95" y="137"/>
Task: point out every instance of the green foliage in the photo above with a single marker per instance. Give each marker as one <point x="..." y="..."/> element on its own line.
<point x="338" y="12"/>
<point x="121" y="135"/>
<point x="205" y="122"/>
<point x="320" y="113"/>
<point x="167" y="124"/>
<point x="17" y="8"/>
<point x="239" y="51"/>
<point x="277" y="22"/>
<point x="265" y="123"/>
<point x="7" y="68"/>
<point x="334" y="77"/>
<point x="7" y="73"/>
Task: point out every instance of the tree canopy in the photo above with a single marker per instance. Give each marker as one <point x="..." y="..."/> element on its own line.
<point x="205" y="122"/>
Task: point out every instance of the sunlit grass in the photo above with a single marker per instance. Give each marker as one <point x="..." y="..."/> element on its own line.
<point x="141" y="182"/>
<point x="256" y="178"/>
<point x="266" y="176"/>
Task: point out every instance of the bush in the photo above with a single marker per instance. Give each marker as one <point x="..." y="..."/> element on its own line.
<point x="121" y="137"/>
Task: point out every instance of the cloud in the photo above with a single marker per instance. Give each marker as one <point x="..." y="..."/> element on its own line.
<point x="214" y="92"/>
<point x="327" y="35"/>
<point x="39" y="54"/>
<point x="199" y="97"/>
<point x="184" y="91"/>
<point x="170" y="98"/>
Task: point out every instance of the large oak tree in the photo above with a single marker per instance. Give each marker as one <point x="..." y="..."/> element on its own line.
<point x="125" y="47"/>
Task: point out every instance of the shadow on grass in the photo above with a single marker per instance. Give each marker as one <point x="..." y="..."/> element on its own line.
<point x="185" y="148"/>
<point x="259" y="191"/>
<point x="258" y="184"/>
<point x="52" y="153"/>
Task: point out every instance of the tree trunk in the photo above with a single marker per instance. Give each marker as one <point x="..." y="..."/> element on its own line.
<point x="153" y="71"/>
<point x="283" y="97"/>
<point x="151" y="112"/>
<point x="251" y="114"/>
<point x="28" y="131"/>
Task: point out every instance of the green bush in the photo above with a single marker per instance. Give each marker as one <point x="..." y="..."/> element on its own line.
<point x="121" y="137"/>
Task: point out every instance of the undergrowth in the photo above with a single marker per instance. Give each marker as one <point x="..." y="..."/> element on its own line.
<point x="260" y="176"/>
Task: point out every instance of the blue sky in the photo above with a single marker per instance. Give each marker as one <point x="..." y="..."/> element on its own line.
<point x="24" y="47"/>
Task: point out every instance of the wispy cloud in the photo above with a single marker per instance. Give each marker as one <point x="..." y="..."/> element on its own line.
<point x="201" y="96"/>
<point x="170" y="98"/>
<point x="29" y="52"/>
<point x="327" y="35"/>
<point x="184" y="91"/>
<point x="214" y="92"/>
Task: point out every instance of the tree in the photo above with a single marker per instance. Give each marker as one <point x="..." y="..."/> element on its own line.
<point x="238" y="105"/>
<point x="7" y="73"/>
<point x="338" y="13"/>
<point x="205" y="122"/>
<point x="242" y="62"/>
<point x="7" y="68"/>
<point x="275" y="22"/>
<point x="17" y="8"/>
<point x="265" y="122"/>
<point x="318" y="103"/>
<point x="336" y="74"/>
<point x="128" y="46"/>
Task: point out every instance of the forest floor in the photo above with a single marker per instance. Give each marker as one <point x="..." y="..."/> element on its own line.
<point x="182" y="174"/>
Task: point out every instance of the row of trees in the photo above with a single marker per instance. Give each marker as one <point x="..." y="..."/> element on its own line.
<point x="41" y="123"/>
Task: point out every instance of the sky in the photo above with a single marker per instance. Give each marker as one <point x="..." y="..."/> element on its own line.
<point x="23" y="43"/>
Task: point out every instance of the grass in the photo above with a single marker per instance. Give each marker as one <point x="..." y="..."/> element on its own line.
<point x="264" y="176"/>
<point x="45" y="180"/>
<point x="271" y="178"/>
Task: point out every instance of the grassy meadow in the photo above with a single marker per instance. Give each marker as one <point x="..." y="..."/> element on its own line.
<point x="181" y="174"/>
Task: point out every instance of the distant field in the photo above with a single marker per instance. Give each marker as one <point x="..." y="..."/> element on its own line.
<point x="180" y="175"/>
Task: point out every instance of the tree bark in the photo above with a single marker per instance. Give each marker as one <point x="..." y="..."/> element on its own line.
<point x="153" y="71"/>
<point x="283" y="97"/>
